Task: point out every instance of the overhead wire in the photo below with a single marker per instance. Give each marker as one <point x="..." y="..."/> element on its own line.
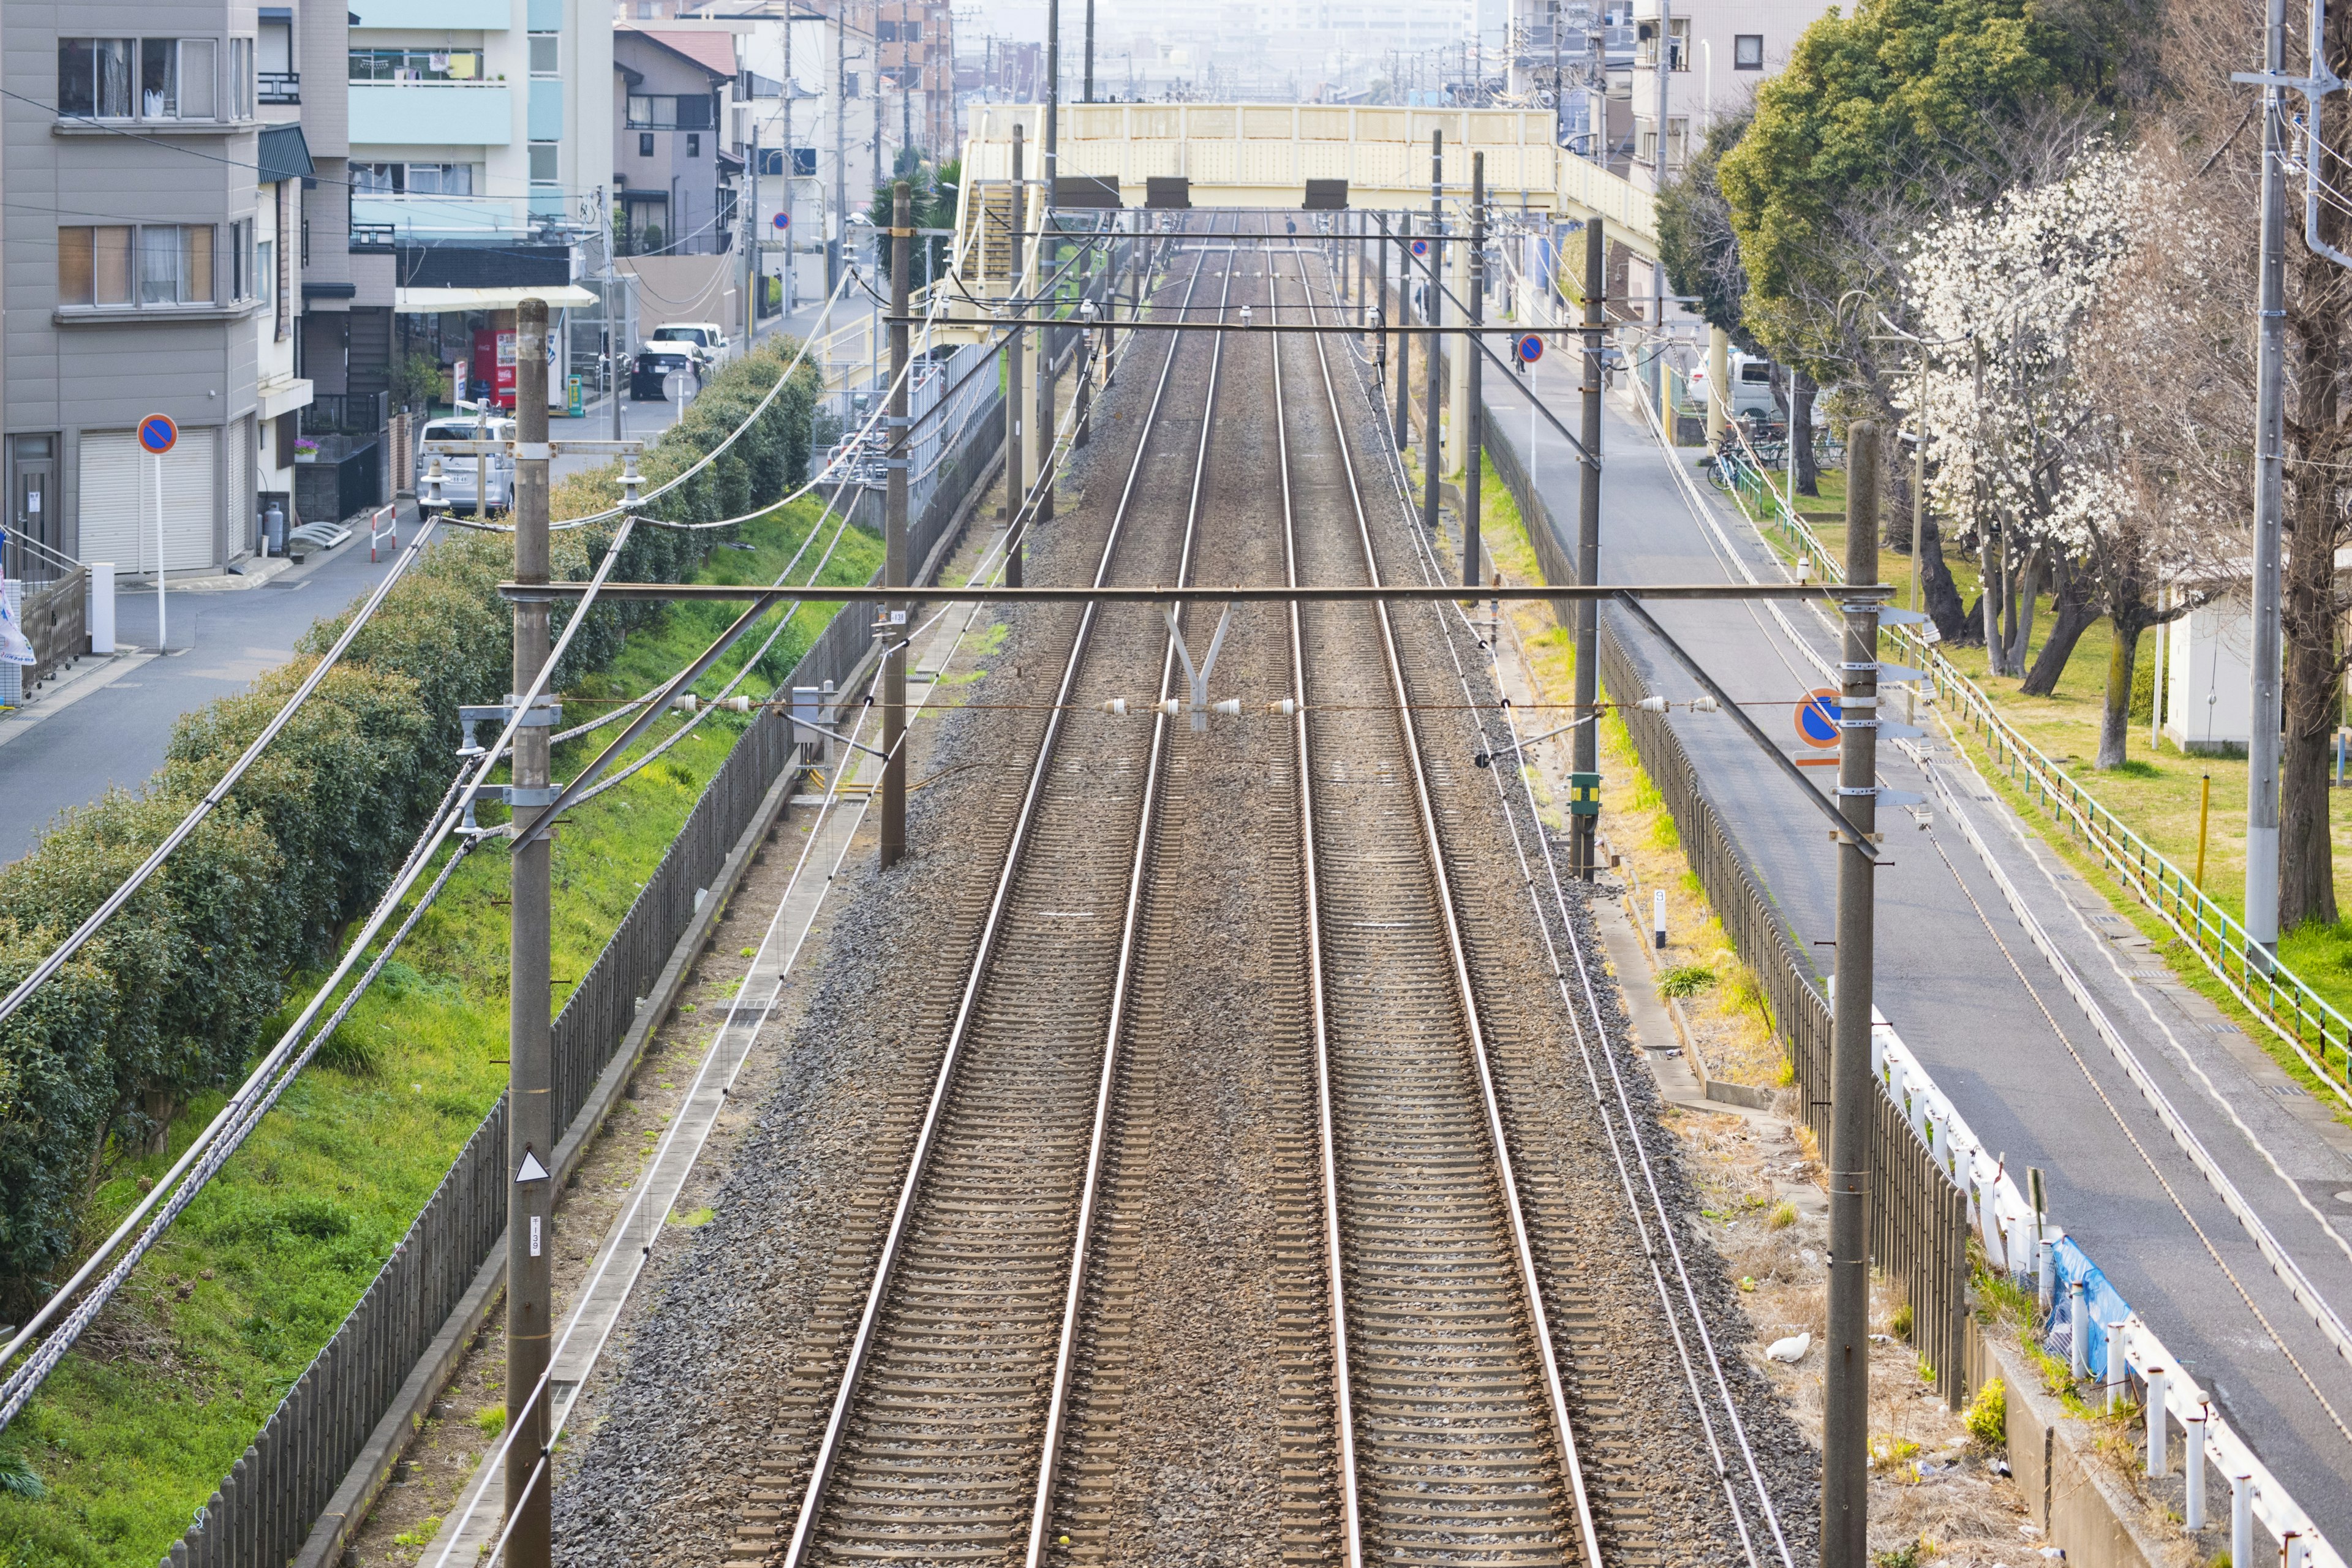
<point x="186" y="1177"/>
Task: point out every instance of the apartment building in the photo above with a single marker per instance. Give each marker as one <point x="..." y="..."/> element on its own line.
<point x="915" y="40"/>
<point x="673" y="174"/>
<point x="482" y="121"/>
<point x="1716" y="51"/>
<point x="147" y="268"/>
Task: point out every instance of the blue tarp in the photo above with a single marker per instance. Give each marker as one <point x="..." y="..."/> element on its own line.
<point x="2070" y="1263"/>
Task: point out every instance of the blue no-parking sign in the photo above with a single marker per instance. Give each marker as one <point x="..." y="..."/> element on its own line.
<point x="157" y="433"/>
<point x="1420" y="247"/>
<point x="1817" y="719"/>
<point x="1529" y="349"/>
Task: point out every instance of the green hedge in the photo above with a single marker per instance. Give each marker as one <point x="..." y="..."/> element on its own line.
<point x="173" y="997"/>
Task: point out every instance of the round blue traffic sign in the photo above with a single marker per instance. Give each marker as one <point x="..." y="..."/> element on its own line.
<point x="784" y="220"/>
<point x="157" y="433"/>
<point x="1530" y="349"/>
<point x="1817" y="719"/>
<point x="1420" y="247"/>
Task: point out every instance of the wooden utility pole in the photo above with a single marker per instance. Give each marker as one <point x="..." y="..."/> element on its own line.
<point x="530" y="1110"/>
<point x="1585" y="761"/>
<point x="1432" y="449"/>
<point x="1014" y="487"/>
<point x="1845" y="1440"/>
<point x="1473" y="427"/>
<point x="894" y="545"/>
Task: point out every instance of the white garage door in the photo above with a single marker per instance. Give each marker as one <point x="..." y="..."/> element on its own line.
<point x="118" y="501"/>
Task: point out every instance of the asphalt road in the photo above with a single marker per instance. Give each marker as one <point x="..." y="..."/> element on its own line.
<point x="1985" y="1011"/>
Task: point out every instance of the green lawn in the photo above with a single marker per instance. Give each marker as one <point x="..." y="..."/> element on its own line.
<point x="137" y="1426"/>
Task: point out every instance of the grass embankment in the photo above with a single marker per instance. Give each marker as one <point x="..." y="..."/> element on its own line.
<point x="136" y="1428"/>
<point x="2156" y="791"/>
<point x="1721" y="998"/>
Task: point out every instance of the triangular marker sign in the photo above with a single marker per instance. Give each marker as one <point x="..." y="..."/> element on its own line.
<point x="532" y="1170"/>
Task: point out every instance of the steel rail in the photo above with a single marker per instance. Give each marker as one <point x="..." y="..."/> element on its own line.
<point x="1432" y="569"/>
<point x="836" y="1423"/>
<point x="1458" y="964"/>
<point x="1065" y="1351"/>
<point x="1318" y="1012"/>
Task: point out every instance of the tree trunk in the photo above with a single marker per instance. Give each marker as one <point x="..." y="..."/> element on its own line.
<point x="2313" y="704"/>
<point x="2023" y="590"/>
<point x="2075" y="616"/>
<point x="1972" y="635"/>
<point x="1989" y="565"/>
<point x="1940" y="594"/>
<point x="1801" y="430"/>
<point x="2115" y="719"/>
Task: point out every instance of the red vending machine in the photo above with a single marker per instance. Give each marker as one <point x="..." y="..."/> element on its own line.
<point x="494" y="364"/>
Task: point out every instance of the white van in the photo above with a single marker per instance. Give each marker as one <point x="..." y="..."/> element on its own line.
<point x="703" y="339"/>
<point x="1751" y="386"/>
<point x="458" y="473"/>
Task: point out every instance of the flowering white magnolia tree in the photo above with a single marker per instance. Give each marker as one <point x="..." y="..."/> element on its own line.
<point x="2056" y="322"/>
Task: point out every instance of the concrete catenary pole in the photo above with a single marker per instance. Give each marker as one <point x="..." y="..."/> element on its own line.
<point x="2270" y="439"/>
<point x="1013" y="348"/>
<point x="1047" y="254"/>
<point x="894" y="544"/>
<point x="1474" y="424"/>
<point x="1432" y="457"/>
<point x="1658" y="268"/>
<point x="1586" y="748"/>
<point x="1403" y="338"/>
<point x="530" y="1110"/>
<point x="1845" y="1445"/>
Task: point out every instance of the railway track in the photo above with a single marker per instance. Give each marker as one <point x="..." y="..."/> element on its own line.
<point x="930" y="1447"/>
<point x="1425" y="1376"/>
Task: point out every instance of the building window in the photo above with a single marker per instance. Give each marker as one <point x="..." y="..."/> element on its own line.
<point x="645" y="144"/>
<point x="94" y="78"/>
<point x="546" y="54"/>
<point x="805" y="163"/>
<point x="175" y="78"/>
<point x="135" y="264"/>
<point x="264" y="271"/>
<point x="240" y="78"/>
<point x="885" y="32"/>
<point x="693" y="145"/>
<point x="1645" y="44"/>
<point x="412" y="179"/>
<point x="1748" y="51"/>
<point x="240" y="264"/>
<point x="911" y="32"/>
<point x="771" y="161"/>
<point x="543" y="155"/>
<point x="416" y="65"/>
<point x="666" y="112"/>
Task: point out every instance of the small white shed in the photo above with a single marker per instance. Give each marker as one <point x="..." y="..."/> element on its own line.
<point x="2205" y="671"/>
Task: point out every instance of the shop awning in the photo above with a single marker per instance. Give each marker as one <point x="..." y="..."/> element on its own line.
<point x="431" y="301"/>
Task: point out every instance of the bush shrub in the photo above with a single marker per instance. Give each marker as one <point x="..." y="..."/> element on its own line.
<point x="171" y="998"/>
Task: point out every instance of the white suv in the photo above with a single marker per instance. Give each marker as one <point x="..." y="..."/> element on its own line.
<point x="704" y="339"/>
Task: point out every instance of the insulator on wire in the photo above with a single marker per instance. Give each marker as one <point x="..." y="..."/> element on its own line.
<point x="1174" y="707"/>
<point x="685" y="702"/>
<point x="735" y="704"/>
<point x="1652" y="705"/>
<point x="1286" y="707"/>
<point x="1231" y="707"/>
<point x="1117" y="706"/>
<point x="1705" y="705"/>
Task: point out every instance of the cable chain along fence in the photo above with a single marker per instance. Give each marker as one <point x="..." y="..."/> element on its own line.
<point x="270" y="1501"/>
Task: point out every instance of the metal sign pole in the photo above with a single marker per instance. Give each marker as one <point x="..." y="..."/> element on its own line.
<point x="155" y="464"/>
<point x="894" y="550"/>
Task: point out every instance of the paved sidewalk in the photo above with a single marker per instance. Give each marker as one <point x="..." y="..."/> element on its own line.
<point x="108" y="723"/>
<point x="1984" y="1010"/>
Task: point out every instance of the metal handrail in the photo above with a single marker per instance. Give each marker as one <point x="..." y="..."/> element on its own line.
<point x="2315" y="1028"/>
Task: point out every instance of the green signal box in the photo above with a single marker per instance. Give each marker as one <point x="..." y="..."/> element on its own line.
<point x="1584" y="794"/>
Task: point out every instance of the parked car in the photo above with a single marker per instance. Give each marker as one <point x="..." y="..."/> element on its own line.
<point x="1751" y="387"/>
<point x="655" y="364"/>
<point x="460" y="475"/>
<point x="706" y="341"/>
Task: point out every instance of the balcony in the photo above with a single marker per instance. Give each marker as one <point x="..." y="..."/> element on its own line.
<point x="497" y="219"/>
<point x="432" y="113"/>
<point x="281" y="86"/>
